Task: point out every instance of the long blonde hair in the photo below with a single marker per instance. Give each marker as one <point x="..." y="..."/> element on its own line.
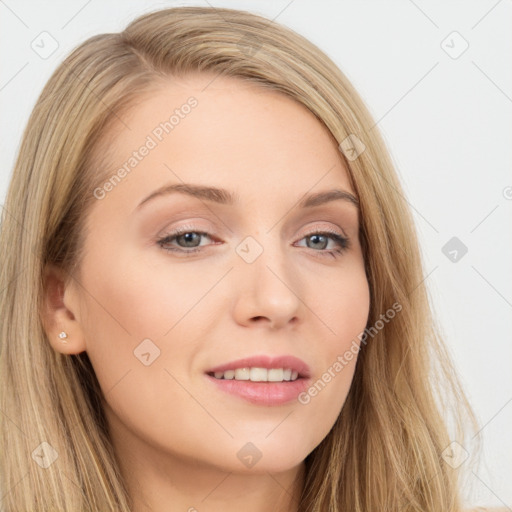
<point x="385" y="451"/>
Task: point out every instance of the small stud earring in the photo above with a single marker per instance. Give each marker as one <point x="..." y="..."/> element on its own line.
<point x="63" y="337"/>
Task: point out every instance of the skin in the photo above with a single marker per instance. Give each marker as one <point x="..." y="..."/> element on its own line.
<point x="176" y="435"/>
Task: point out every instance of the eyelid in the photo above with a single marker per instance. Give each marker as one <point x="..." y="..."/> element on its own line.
<point x="194" y="228"/>
<point x="343" y="242"/>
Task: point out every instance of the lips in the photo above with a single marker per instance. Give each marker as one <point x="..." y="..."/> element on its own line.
<point x="264" y="361"/>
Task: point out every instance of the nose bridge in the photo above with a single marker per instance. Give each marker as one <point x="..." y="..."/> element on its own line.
<point x="265" y="276"/>
<point x="262" y="249"/>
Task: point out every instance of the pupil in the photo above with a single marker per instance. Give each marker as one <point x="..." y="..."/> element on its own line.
<point x="316" y="237"/>
<point x="188" y="237"/>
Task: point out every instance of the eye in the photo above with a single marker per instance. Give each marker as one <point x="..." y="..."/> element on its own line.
<point x="189" y="239"/>
<point x="186" y="235"/>
<point x="322" y="237"/>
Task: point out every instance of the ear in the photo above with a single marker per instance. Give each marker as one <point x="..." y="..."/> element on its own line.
<point x="60" y="312"/>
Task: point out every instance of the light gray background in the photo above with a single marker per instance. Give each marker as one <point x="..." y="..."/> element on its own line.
<point x="447" y="124"/>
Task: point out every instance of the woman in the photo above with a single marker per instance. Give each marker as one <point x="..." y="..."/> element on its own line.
<point x="142" y="370"/>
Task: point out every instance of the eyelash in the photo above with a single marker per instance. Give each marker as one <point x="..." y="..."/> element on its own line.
<point x="343" y="242"/>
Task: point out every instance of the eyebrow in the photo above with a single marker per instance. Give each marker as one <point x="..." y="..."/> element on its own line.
<point x="223" y="196"/>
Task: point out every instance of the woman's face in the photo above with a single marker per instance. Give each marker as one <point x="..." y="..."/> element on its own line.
<point x="252" y="278"/>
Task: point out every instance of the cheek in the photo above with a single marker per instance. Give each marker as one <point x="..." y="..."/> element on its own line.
<point x="130" y="301"/>
<point x="140" y="301"/>
<point x="345" y="306"/>
<point x="344" y="310"/>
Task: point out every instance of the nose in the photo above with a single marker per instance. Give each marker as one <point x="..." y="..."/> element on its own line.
<point x="267" y="291"/>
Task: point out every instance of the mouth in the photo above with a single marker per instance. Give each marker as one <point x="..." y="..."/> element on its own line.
<point x="263" y="393"/>
<point x="257" y="374"/>
<point x="262" y="368"/>
<point x="262" y="380"/>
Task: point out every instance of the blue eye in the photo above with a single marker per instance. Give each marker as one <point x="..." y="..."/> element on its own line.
<point x="187" y="235"/>
<point x="321" y="236"/>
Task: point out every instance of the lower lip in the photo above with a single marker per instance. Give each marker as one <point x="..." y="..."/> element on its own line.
<point x="263" y="393"/>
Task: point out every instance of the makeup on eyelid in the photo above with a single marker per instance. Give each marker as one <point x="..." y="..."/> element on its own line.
<point x="343" y="242"/>
<point x="346" y="225"/>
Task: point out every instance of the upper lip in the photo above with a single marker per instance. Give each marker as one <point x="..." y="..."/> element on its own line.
<point x="265" y="361"/>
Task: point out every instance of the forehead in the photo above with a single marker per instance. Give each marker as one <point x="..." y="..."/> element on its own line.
<point x="224" y="132"/>
<point x="226" y="108"/>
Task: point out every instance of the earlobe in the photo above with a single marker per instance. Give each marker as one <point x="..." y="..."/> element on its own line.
<point x="59" y="314"/>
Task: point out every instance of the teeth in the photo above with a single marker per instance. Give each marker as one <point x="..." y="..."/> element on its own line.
<point x="275" y="375"/>
<point x="242" y="374"/>
<point x="259" y="374"/>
